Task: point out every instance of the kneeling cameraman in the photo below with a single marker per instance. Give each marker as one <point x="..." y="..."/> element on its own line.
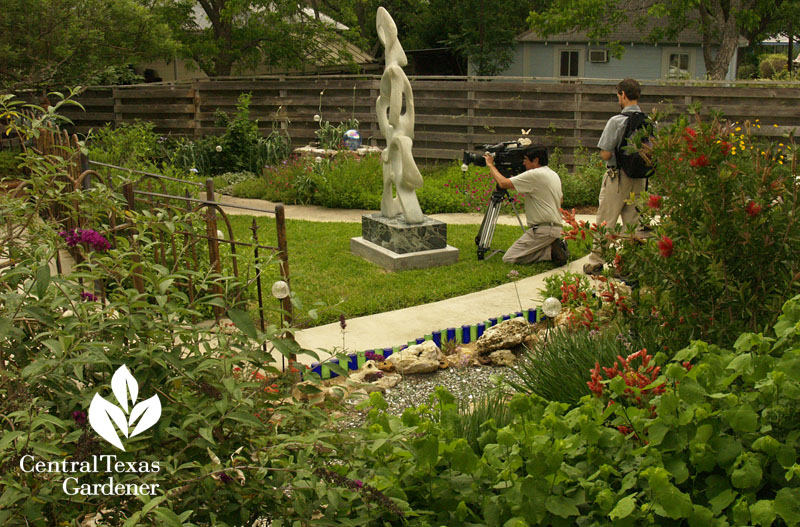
<point x="541" y="187"/>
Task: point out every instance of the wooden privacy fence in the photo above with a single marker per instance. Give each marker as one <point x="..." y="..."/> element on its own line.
<point x="179" y="248"/>
<point x="452" y="113"/>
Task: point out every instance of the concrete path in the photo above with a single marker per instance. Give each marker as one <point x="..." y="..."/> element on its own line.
<point x="398" y="327"/>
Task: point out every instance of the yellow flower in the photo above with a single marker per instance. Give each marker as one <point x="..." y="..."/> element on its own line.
<point x="775" y="125"/>
<point x="758" y="120"/>
<point x="738" y="129"/>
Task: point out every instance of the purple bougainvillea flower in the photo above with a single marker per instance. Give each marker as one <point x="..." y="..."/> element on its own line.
<point x="89" y="297"/>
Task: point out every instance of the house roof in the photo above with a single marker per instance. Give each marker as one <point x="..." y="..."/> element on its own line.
<point x="623" y="34"/>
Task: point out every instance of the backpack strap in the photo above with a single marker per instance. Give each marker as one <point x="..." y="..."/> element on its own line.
<point x="625" y="131"/>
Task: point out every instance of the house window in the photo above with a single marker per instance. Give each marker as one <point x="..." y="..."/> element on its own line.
<point x="678" y="63"/>
<point x="569" y="63"/>
<point x="679" y="66"/>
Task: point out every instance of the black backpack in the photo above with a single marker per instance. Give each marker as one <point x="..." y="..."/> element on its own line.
<point x="634" y="165"/>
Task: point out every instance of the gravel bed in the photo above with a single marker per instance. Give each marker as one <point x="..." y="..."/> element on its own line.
<point x="466" y="384"/>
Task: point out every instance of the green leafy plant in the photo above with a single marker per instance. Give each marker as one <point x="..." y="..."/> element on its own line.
<point x="330" y="136"/>
<point x="131" y="145"/>
<point x="9" y="163"/>
<point x="772" y="65"/>
<point x="242" y="147"/>
<point x="712" y="438"/>
<point x="225" y="448"/>
<point x="582" y="187"/>
<point x="727" y="212"/>
<point x="572" y="289"/>
<point x="226" y="182"/>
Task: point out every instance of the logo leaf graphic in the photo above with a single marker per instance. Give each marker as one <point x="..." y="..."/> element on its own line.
<point x="101" y="415"/>
<point x="149" y="410"/>
<point x="123" y="384"/>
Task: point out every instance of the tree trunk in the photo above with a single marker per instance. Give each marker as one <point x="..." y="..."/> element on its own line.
<point x="719" y="19"/>
<point x="789" y="53"/>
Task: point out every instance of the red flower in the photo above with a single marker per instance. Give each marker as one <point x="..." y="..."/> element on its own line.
<point x="665" y="246"/>
<point x="654" y="202"/>
<point x="690" y="132"/>
<point x="753" y="209"/>
<point x="701" y="161"/>
<point x="725" y="147"/>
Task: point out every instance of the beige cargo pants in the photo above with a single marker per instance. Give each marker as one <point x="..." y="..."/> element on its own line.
<point x="614" y="194"/>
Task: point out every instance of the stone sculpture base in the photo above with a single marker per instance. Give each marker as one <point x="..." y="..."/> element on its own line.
<point x="397" y="246"/>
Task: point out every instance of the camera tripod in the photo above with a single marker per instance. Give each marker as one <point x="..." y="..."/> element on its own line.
<point x="484" y="238"/>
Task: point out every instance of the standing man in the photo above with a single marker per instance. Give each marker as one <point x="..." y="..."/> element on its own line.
<point x="617" y="186"/>
<point x="541" y="187"/>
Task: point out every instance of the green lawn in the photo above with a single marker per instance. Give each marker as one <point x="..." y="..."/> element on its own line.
<point x="324" y="271"/>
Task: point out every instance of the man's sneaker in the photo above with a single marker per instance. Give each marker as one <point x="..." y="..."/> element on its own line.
<point x="559" y="253"/>
<point x="592" y="269"/>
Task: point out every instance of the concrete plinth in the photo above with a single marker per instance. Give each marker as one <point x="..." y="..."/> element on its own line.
<point x="392" y="261"/>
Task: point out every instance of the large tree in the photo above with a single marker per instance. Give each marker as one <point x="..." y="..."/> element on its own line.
<point x="476" y="30"/>
<point x="47" y="44"/>
<point x="225" y="37"/>
<point x="720" y="22"/>
<point x="484" y="32"/>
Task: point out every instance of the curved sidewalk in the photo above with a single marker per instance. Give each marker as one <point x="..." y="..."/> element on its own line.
<point x="395" y="328"/>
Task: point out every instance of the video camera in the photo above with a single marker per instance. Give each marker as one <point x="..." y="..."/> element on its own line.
<point x="507" y="156"/>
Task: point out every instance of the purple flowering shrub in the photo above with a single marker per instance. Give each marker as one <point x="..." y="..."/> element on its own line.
<point x="87" y="237"/>
<point x="228" y="450"/>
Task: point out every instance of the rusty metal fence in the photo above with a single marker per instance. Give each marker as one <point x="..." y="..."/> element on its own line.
<point x="197" y="246"/>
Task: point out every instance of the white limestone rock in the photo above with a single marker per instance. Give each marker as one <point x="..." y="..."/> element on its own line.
<point x="502" y="358"/>
<point x="421" y="358"/>
<point x="506" y="335"/>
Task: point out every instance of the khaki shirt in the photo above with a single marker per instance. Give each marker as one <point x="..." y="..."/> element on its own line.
<point x="541" y="188"/>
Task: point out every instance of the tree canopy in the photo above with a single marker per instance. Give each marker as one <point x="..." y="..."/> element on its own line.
<point x="721" y="23"/>
<point x="55" y="43"/>
<point x="478" y="31"/>
<point x="225" y="37"/>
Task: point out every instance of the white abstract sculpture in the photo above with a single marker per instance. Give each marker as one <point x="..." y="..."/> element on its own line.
<point x="397" y="127"/>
